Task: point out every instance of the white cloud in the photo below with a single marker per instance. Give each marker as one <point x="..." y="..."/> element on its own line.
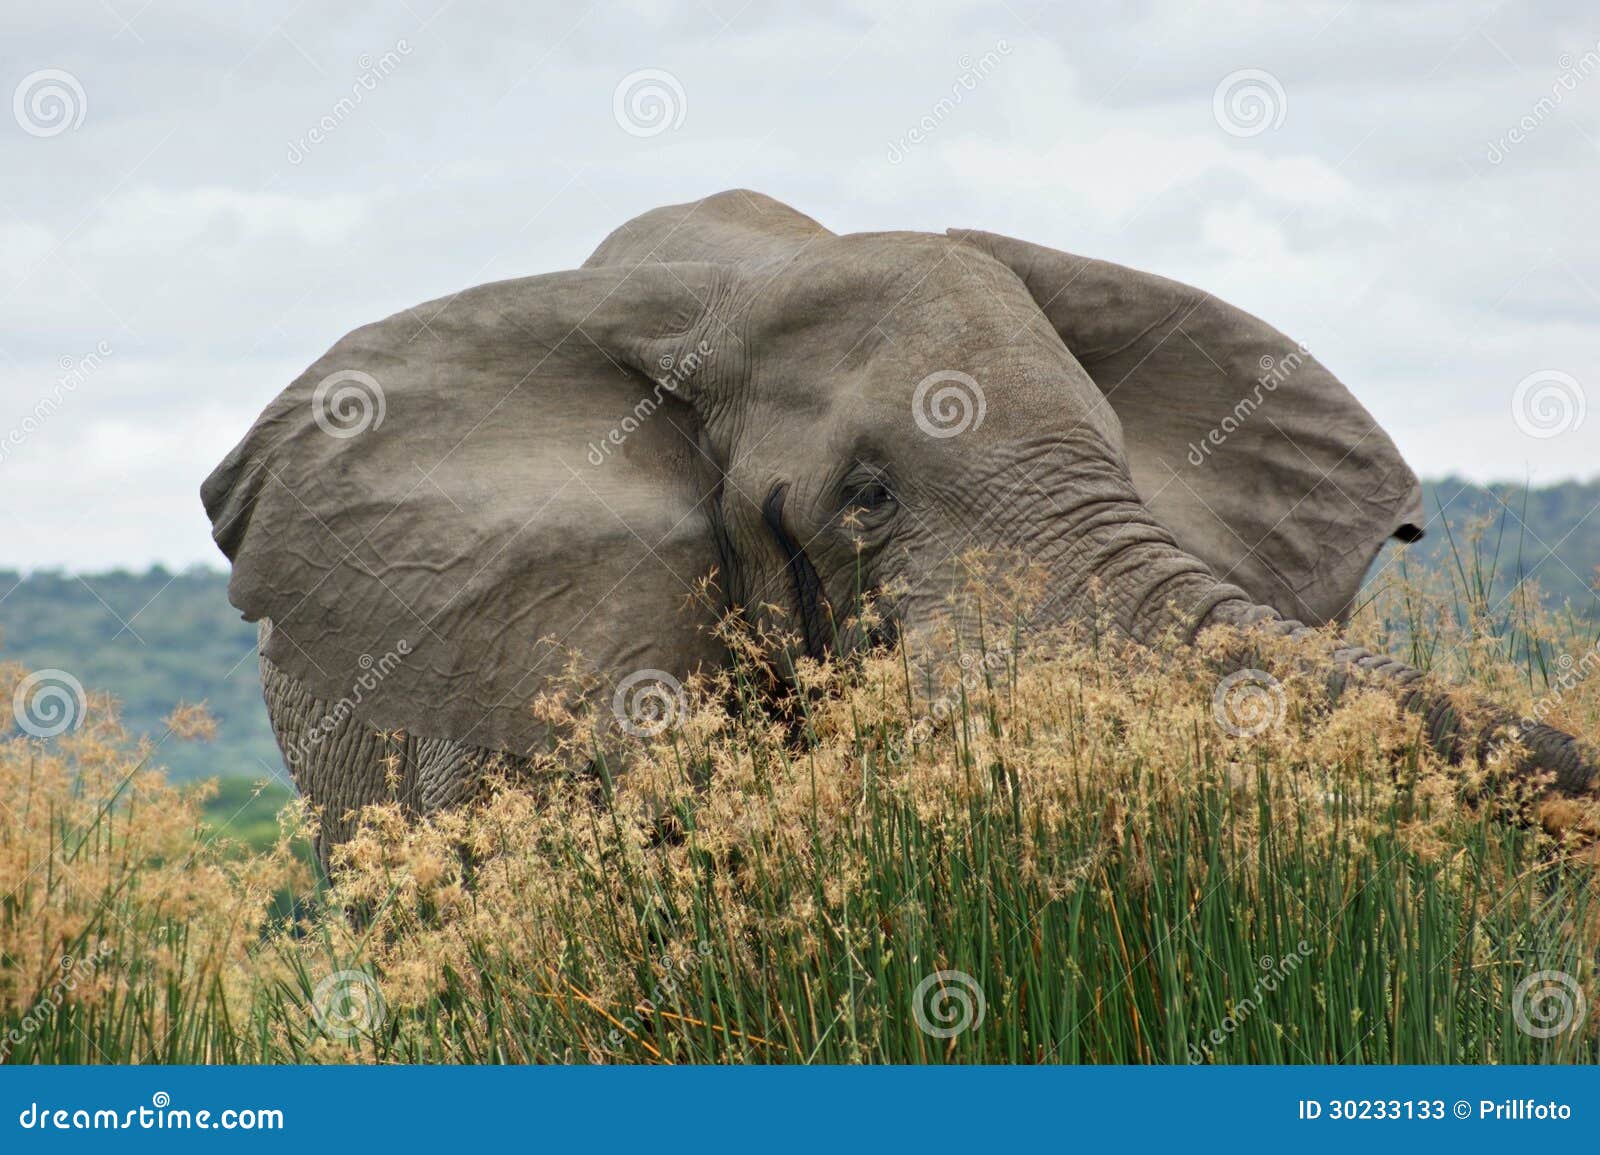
<point x="152" y="222"/>
<point x="23" y="246"/>
<point x="172" y="225"/>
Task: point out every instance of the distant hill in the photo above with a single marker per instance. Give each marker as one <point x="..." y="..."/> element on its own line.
<point x="1550" y="534"/>
<point x="157" y="638"/>
<point x="152" y="639"/>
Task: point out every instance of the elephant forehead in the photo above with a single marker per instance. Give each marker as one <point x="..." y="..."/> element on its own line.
<point x="991" y="387"/>
<point x="869" y="312"/>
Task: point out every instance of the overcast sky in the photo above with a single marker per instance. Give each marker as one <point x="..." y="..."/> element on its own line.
<point x="197" y="199"/>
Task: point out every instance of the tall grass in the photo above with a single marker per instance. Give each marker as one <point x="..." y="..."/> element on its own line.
<point x="126" y="929"/>
<point x="1055" y="854"/>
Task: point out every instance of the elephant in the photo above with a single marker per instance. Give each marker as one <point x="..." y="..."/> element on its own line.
<point x="452" y="498"/>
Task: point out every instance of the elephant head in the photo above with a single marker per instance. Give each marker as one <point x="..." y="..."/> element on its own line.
<point x="728" y="388"/>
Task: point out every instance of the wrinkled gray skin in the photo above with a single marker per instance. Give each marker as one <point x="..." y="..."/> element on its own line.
<point x="728" y="388"/>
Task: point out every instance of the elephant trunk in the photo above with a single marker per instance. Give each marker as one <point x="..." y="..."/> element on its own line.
<point x="1545" y="749"/>
<point x="1153" y="591"/>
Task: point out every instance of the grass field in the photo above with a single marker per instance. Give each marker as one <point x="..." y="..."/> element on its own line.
<point x="1072" y="854"/>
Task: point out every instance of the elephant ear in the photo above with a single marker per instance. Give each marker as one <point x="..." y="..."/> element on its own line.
<point x="1255" y="456"/>
<point x="449" y="493"/>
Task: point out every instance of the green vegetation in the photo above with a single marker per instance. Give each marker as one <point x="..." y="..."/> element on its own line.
<point x="152" y="639"/>
<point x="246" y="811"/>
<point x="1067" y="839"/>
<point x="1550" y="534"/>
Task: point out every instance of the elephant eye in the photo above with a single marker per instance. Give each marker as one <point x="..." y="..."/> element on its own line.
<point x="870" y="495"/>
